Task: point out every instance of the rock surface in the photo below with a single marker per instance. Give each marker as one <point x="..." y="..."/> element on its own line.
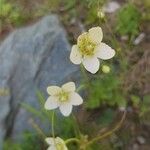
<point x="31" y="58"/>
<point x="111" y="7"/>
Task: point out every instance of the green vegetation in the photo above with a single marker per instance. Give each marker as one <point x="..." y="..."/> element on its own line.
<point x="128" y="20"/>
<point x="29" y="142"/>
<point x="10" y="14"/>
<point x="105" y="91"/>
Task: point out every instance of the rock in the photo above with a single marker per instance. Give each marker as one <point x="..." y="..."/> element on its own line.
<point x="135" y="146"/>
<point x="122" y="109"/>
<point x="124" y="38"/>
<point x="111" y="7"/>
<point x="31" y="58"/>
<point x="141" y="140"/>
<point x="139" y="39"/>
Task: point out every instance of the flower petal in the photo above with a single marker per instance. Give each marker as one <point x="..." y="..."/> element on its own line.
<point x="53" y="90"/>
<point x="75" y="55"/>
<point x="51" y="148"/>
<point x="66" y="109"/>
<point x="91" y="64"/>
<point x="69" y="87"/>
<point x="59" y="140"/>
<point x="75" y="99"/>
<point x="51" y="103"/>
<point x="104" y="51"/>
<point x="65" y="147"/>
<point x="50" y="141"/>
<point x="96" y="34"/>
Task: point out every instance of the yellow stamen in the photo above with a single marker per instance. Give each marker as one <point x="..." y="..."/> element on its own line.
<point x="85" y="45"/>
<point x="63" y="96"/>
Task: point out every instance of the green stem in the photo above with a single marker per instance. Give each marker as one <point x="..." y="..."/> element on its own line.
<point x="109" y="132"/>
<point x="117" y="44"/>
<point x="72" y="140"/>
<point x="76" y="127"/>
<point x="38" y="129"/>
<point x="53" y="132"/>
<point x="84" y="74"/>
<point x="81" y="87"/>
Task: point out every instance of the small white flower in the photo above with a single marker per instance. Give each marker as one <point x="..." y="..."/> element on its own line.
<point x="63" y="97"/>
<point x="56" y="144"/>
<point x="89" y="48"/>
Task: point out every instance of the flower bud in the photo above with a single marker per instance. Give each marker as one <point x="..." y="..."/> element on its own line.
<point x="105" y="69"/>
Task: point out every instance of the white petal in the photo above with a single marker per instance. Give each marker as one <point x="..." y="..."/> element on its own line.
<point x="50" y="141"/>
<point x="69" y="87"/>
<point x="59" y="140"/>
<point x="53" y="90"/>
<point x="65" y="148"/>
<point x="52" y="148"/>
<point x="51" y="103"/>
<point x="66" y="109"/>
<point x="91" y="64"/>
<point x="96" y="34"/>
<point x="75" y="55"/>
<point x="75" y="99"/>
<point x="104" y="51"/>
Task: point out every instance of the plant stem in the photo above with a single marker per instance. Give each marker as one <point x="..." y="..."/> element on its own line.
<point x="76" y="127"/>
<point x="53" y="132"/>
<point x="84" y="74"/>
<point x="81" y="87"/>
<point x="38" y="129"/>
<point x="109" y="132"/>
<point x="72" y="140"/>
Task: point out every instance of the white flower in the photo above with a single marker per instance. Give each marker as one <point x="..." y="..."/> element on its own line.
<point x="56" y="144"/>
<point x="89" y="48"/>
<point x="63" y="97"/>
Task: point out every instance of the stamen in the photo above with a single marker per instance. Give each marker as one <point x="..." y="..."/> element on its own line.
<point x="63" y="96"/>
<point x="85" y="45"/>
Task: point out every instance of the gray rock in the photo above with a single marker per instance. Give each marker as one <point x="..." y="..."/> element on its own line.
<point x="31" y="58"/>
<point x="139" y="39"/>
<point x="111" y="7"/>
<point x="141" y="140"/>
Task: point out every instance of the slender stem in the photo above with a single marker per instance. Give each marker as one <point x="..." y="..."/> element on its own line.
<point x="72" y="140"/>
<point x="77" y="129"/>
<point x="53" y="132"/>
<point x="111" y="32"/>
<point x="37" y="128"/>
<point x="80" y="88"/>
<point x="84" y="74"/>
<point x="109" y="132"/>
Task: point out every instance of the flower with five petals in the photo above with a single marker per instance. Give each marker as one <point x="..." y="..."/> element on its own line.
<point x="89" y="48"/>
<point x="63" y="97"/>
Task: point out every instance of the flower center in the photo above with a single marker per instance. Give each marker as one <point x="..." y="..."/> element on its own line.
<point x="63" y="96"/>
<point x="85" y="45"/>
